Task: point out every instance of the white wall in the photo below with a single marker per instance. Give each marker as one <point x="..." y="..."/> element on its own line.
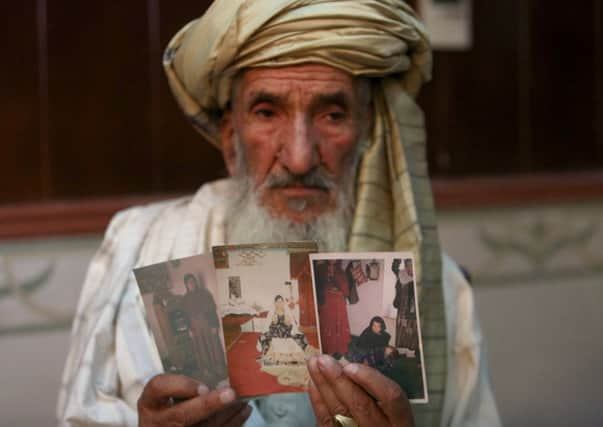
<point x="538" y="281"/>
<point x="34" y="338"/>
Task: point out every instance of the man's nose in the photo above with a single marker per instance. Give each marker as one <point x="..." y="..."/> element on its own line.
<point x="299" y="152"/>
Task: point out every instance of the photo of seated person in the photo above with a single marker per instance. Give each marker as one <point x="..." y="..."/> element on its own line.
<point x="283" y="340"/>
<point x="374" y="336"/>
<point x="370" y="347"/>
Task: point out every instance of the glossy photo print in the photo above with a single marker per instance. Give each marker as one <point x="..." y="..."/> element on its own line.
<point x="368" y="313"/>
<point x="180" y="300"/>
<point x="268" y="313"/>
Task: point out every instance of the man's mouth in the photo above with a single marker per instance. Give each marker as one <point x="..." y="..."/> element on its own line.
<point x="301" y="184"/>
<point x="298" y="198"/>
<point x="301" y="191"/>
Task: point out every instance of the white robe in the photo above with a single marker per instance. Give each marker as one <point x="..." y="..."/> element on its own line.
<point x="113" y="355"/>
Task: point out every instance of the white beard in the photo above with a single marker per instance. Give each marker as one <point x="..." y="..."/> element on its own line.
<point x="247" y="221"/>
<point x="250" y="222"/>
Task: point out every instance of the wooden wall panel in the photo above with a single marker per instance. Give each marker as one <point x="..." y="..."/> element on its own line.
<point x="471" y="106"/>
<point x="564" y="89"/>
<point x="87" y="111"/>
<point x="20" y="155"/>
<point x="598" y="18"/>
<point x="525" y="98"/>
<point x="99" y="98"/>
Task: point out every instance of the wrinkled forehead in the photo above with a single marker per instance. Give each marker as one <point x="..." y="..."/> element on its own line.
<point x="301" y="72"/>
<point x="310" y="78"/>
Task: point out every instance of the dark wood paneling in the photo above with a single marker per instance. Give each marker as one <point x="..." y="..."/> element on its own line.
<point x="598" y="18"/>
<point x="99" y="97"/>
<point x="525" y="98"/>
<point x="471" y="105"/>
<point x="563" y="86"/>
<point x="87" y="110"/>
<point x="186" y="159"/>
<point x="20" y="160"/>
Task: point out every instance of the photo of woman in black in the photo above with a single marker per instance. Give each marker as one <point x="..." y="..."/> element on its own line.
<point x="372" y="346"/>
<point x="374" y="335"/>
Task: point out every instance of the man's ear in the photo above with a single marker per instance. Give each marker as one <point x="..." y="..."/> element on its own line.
<point x="227" y="137"/>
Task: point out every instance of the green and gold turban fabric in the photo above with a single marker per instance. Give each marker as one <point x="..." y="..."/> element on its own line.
<point x="380" y="39"/>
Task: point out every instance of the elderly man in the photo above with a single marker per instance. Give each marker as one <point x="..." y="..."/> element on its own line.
<point x="311" y="103"/>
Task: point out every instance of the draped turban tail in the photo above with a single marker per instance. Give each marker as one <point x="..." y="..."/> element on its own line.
<point x="371" y="38"/>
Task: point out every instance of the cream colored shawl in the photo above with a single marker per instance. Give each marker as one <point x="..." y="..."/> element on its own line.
<point x="373" y="38"/>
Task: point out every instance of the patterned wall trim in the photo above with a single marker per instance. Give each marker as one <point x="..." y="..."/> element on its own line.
<point x="511" y="247"/>
<point x="40" y="282"/>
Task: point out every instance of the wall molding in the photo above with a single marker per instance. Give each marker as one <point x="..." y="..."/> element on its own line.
<point x="69" y="217"/>
<point x="517" y="190"/>
<point x="91" y="216"/>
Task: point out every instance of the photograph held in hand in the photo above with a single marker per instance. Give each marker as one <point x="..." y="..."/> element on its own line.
<point x="243" y="317"/>
<point x="252" y="316"/>
<point x="369" y="314"/>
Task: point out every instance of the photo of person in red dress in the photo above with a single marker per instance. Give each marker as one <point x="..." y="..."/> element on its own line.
<point x="332" y="289"/>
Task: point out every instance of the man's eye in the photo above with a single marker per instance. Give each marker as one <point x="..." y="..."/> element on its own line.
<point x="336" y="116"/>
<point x="264" y="112"/>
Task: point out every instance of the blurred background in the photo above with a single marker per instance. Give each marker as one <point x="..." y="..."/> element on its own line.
<point x="515" y="128"/>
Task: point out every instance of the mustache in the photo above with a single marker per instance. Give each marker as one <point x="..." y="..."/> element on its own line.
<point x="316" y="178"/>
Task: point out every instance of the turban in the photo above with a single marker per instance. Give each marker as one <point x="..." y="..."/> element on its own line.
<point x="381" y="39"/>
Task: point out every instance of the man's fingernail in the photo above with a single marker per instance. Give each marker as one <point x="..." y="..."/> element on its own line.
<point x="202" y="390"/>
<point x="326" y="361"/>
<point x="351" y="368"/>
<point x="227" y="395"/>
<point x="222" y="385"/>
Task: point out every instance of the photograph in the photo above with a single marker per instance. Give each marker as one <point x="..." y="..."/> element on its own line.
<point x="368" y="313"/>
<point x="268" y="313"/>
<point x="180" y="302"/>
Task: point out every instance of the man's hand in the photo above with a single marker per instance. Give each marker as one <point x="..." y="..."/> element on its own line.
<point x="197" y="405"/>
<point x="356" y="391"/>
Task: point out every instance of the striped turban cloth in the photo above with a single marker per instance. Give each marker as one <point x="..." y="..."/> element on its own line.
<point x="380" y="39"/>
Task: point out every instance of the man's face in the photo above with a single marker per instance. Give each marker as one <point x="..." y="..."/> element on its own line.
<point x="299" y="128"/>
